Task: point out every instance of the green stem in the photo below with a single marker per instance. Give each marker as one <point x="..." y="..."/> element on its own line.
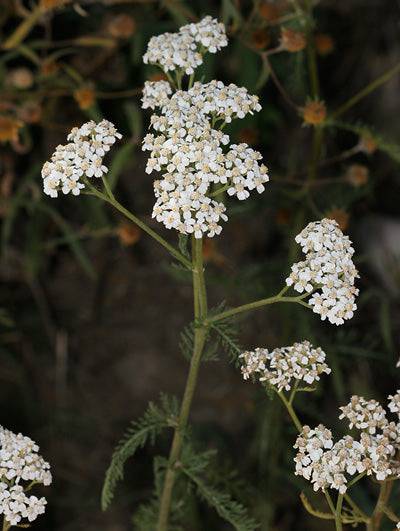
<point x="383" y="498"/>
<point x="338" y="513"/>
<point x="356" y="509"/>
<point x="200" y="311"/>
<point x="356" y="479"/>
<point x="315" y="93"/>
<point x="6" y="525"/>
<point x="23" y="29"/>
<point x="366" y="90"/>
<point x="141" y="224"/>
<point x="291" y="411"/>
<point x="311" y="55"/>
<point x="259" y="304"/>
<point x="220" y="190"/>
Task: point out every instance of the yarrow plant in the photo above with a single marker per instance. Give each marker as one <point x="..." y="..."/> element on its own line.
<point x="328" y="465"/>
<point x="199" y="173"/>
<point x="21" y="468"/>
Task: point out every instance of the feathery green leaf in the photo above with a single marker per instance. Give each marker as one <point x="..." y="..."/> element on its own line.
<point x="155" y="419"/>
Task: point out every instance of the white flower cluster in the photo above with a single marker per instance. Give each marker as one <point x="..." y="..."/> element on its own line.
<point x="184" y="48"/>
<point x="81" y="157"/>
<point x="20" y="462"/>
<point x="328" y="272"/>
<point x="376" y="451"/>
<point x="326" y="464"/>
<point x="364" y="414"/>
<point x="155" y="94"/>
<point x="282" y="366"/>
<point x="223" y="101"/>
<point x="192" y="156"/>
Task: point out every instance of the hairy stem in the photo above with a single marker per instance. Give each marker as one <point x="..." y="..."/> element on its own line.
<point x="383" y="498"/>
<point x="200" y="314"/>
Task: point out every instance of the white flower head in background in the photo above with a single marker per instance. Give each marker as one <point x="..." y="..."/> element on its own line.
<point x="328" y="272"/>
<point x="282" y="367"/>
<point x="185" y="48"/>
<point x="21" y="466"/>
<point x="81" y="157"/>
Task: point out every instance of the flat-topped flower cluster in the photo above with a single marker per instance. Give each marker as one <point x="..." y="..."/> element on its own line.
<point x="328" y="272"/>
<point x="184" y="49"/>
<point x="374" y="452"/>
<point x="81" y="157"/>
<point x="20" y="463"/>
<point x="282" y="367"/>
<point x="189" y="147"/>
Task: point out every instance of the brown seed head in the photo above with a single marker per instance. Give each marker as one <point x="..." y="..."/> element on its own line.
<point x="9" y="128"/>
<point x="21" y="78"/>
<point x="121" y="26"/>
<point x="324" y="44"/>
<point x="357" y="175"/>
<point x="128" y="233"/>
<point x="292" y="41"/>
<point x="260" y="39"/>
<point x="85" y="96"/>
<point x="269" y="11"/>
<point x="368" y="144"/>
<point x="314" y="112"/>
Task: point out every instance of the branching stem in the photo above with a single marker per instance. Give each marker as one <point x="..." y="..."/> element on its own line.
<point x="109" y="198"/>
<point x="200" y="314"/>
<point x="259" y="304"/>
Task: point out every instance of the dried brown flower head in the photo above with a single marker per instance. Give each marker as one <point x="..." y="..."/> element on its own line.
<point x="49" y="67"/>
<point x="269" y="12"/>
<point x="357" y="175"/>
<point x="324" y="44"/>
<point x="121" y="26"/>
<point x="85" y="96"/>
<point x="260" y="39"/>
<point x="128" y="233"/>
<point x="292" y="40"/>
<point x="9" y="128"/>
<point x="314" y="112"/>
<point x="20" y="78"/>
<point x="368" y="144"/>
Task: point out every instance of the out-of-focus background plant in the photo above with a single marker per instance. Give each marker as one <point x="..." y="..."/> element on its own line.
<point x="89" y="309"/>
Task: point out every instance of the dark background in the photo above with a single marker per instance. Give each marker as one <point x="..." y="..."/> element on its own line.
<point x="91" y="310"/>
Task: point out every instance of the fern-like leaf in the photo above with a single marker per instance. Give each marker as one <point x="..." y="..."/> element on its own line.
<point x="227" y="508"/>
<point x="226" y="332"/>
<point x="194" y="466"/>
<point x="155" y="419"/>
<point x="391" y="149"/>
